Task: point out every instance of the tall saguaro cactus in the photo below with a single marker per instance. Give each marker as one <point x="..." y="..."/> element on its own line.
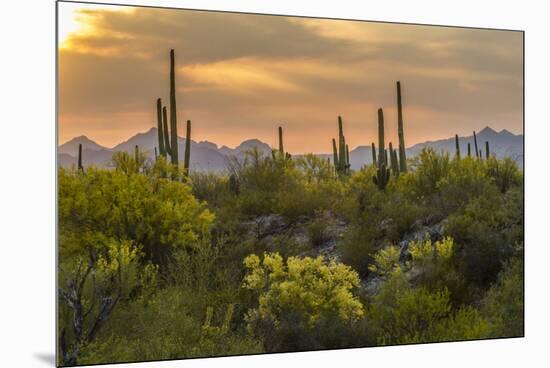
<point x="457" y="147"/>
<point x="341" y="154"/>
<point x="402" y="153"/>
<point x="281" y="147"/>
<point x="187" y="156"/>
<point x="475" y="145"/>
<point x="160" y="128"/>
<point x="80" y="167"/>
<point x="335" y="154"/>
<point x="166" y="133"/>
<point x="341" y="146"/>
<point x="373" y="151"/>
<point x="469" y="150"/>
<point x="347" y="159"/>
<point x="487" y="153"/>
<point x="173" y="117"/>
<point x="136" y="157"/>
<point x="394" y="163"/>
<point x="382" y="173"/>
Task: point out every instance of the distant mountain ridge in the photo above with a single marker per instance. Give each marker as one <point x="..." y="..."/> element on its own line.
<point x="208" y="156"/>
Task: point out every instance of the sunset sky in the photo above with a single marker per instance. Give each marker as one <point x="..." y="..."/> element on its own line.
<point x="240" y="76"/>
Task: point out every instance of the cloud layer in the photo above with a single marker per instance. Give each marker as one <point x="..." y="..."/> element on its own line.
<point x="240" y="76"/>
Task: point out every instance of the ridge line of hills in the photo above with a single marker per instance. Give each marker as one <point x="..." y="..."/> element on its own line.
<point x="207" y="156"/>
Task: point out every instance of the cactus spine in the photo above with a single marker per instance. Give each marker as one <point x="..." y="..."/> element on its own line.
<point x="160" y="128"/>
<point x="173" y="118"/>
<point x="487" y="153"/>
<point x="373" y="150"/>
<point x="382" y="173"/>
<point x="80" y="167"/>
<point x="187" y="156"/>
<point x="457" y="147"/>
<point x="475" y="145"/>
<point x="402" y="153"/>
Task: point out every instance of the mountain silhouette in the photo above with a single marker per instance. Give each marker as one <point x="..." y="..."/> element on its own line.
<point x="208" y="156"/>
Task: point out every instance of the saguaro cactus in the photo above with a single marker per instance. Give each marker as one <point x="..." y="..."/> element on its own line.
<point x="281" y="147"/>
<point x="382" y="173"/>
<point x="173" y="117"/>
<point x="457" y="147"/>
<point x="341" y="146"/>
<point x="341" y="155"/>
<point x="334" y="154"/>
<point x="136" y="157"/>
<point x="373" y="150"/>
<point x="487" y="153"/>
<point x="394" y="164"/>
<point x="166" y="133"/>
<point x="159" y="127"/>
<point x="469" y="150"/>
<point x="347" y="160"/>
<point x="80" y="167"/>
<point x="402" y="153"/>
<point x="187" y="156"/>
<point x="475" y="145"/>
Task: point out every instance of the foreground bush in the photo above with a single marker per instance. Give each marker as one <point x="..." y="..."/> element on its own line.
<point x="295" y="296"/>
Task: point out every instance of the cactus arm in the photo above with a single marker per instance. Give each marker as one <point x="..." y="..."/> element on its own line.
<point x="373" y="151"/>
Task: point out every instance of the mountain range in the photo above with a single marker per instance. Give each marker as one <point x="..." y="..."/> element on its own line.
<point x="207" y="156"/>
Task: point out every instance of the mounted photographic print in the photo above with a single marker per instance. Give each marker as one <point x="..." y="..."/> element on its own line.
<point x="232" y="184"/>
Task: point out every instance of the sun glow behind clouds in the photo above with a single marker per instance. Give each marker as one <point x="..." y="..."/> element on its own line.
<point x="72" y="19"/>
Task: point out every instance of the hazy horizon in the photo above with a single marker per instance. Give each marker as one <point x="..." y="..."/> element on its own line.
<point x="241" y="76"/>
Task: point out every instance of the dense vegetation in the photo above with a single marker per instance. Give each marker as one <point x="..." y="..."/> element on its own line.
<point x="285" y="254"/>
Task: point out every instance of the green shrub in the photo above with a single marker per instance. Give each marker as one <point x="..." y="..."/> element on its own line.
<point x="294" y="295"/>
<point x="503" y="305"/>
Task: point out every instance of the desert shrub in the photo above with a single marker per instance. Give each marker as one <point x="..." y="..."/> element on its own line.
<point x="487" y="231"/>
<point x="430" y="169"/>
<point x="317" y="230"/>
<point x="163" y="328"/>
<point x="402" y="314"/>
<point x="209" y="187"/>
<point x="156" y="214"/>
<point x="503" y="305"/>
<point x="294" y="295"/>
<point x="505" y="173"/>
<point x="466" y="179"/>
<point x="315" y="169"/>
